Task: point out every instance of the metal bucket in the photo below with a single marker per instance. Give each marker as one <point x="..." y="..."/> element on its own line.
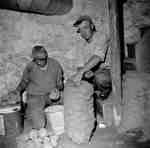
<point x="55" y="118"/>
<point x="10" y="121"/>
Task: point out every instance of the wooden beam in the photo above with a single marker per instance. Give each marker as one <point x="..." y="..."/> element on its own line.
<point x="116" y="34"/>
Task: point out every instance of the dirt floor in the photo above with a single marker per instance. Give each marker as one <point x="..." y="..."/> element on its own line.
<point x="102" y="138"/>
<point x="107" y="138"/>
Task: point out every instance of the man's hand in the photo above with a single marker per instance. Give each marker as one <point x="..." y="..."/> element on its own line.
<point x="77" y="77"/>
<point x="89" y="74"/>
<point x="54" y="94"/>
<point x="15" y="94"/>
<point x="12" y="97"/>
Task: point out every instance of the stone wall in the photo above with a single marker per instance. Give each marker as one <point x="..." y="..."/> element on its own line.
<point x="19" y="32"/>
<point x="136" y="16"/>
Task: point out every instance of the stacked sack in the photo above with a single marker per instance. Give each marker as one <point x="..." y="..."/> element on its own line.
<point x="79" y="111"/>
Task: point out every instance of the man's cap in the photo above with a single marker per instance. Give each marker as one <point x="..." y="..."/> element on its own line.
<point x="38" y="49"/>
<point x="81" y="19"/>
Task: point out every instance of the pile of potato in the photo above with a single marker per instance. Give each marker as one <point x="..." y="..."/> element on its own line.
<point x="37" y="139"/>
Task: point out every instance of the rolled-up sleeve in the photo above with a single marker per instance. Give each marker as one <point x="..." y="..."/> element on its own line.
<point x="25" y="78"/>
<point x="26" y="73"/>
<point x="100" y="53"/>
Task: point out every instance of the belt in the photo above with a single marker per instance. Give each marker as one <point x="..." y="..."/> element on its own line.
<point x="47" y="94"/>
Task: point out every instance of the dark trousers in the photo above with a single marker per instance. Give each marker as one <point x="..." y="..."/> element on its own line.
<point x="34" y="113"/>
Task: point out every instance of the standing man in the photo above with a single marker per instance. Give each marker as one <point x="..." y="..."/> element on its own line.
<point x="43" y="80"/>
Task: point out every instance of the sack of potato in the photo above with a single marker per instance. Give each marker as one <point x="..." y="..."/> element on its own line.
<point x="78" y="111"/>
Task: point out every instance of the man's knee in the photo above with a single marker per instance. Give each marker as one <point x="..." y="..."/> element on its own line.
<point x="36" y="117"/>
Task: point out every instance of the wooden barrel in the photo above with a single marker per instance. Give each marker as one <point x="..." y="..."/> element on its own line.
<point x="10" y="121"/>
<point x="47" y="7"/>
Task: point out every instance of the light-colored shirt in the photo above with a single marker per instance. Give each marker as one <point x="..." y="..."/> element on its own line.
<point x="42" y="81"/>
<point x="95" y="47"/>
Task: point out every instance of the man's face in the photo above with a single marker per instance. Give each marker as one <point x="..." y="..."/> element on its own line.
<point x="41" y="59"/>
<point x="85" y="30"/>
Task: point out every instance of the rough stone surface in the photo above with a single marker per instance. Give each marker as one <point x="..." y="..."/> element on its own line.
<point x="143" y="53"/>
<point x="131" y="32"/>
<point x="21" y="31"/>
<point x="136" y="16"/>
<point x="136" y="107"/>
<point x="140" y="10"/>
<point x="133" y="105"/>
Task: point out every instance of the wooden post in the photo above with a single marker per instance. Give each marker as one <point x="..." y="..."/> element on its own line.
<point x="116" y="34"/>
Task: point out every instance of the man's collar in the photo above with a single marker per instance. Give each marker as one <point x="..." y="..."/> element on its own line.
<point x="90" y="39"/>
<point x="44" y="68"/>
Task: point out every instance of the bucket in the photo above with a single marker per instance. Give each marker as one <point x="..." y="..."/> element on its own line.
<point x="10" y="121"/>
<point x="55" y="118"/>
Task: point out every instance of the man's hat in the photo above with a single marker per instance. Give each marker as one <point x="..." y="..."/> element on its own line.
<point x="38" y="49"/>
<point x="81" y="19"/>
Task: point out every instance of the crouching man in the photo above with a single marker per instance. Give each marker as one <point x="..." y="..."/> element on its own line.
<point x="42" y="79"/>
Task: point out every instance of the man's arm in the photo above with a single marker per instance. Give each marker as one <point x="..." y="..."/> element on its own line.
<point x="60" y="84"/>
<point x="96" y="59"/>
<point x="22" y="86"/>
<point x="24" y="80"/>
<point x="60" y="79"/>
<point x="92" y="62"/>
<point x="16" y="94"/>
